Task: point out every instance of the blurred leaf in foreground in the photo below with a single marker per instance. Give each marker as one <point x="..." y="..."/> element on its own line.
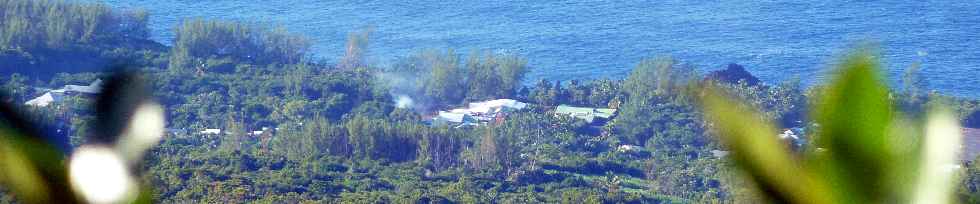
<point x="862" y="152"/>
<point x="756" y="149"/>
<point x="30" y="166"/>
<point x="101" y="171"/>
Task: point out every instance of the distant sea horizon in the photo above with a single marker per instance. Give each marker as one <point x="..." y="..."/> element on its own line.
<point x="774" y="40"/>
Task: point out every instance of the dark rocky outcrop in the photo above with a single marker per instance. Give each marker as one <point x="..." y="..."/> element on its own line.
<point x="732" y="74"/>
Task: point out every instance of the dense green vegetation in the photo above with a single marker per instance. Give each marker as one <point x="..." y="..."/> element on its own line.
<point x="438" y="79"/>
<point x="339" y="129"/>
<point x="337" y="134"/>
<point x="40" y="38"/>
<point x="202" y="45"/>
<point x="37" y="25"/>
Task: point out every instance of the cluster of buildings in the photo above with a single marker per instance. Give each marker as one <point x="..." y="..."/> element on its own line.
<point x="218" y="131"/>
<point x="478" y="113"/>
<point x="58" y="95"/>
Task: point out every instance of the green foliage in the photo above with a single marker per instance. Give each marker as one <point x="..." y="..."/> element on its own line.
<point x="336" y="135"/>
<point x="40" y="38"/>
<point x="969" y="191"/>
<point x="53" y="24"/>
<point x="785" y="103"/>
<point x="596" y="93"/>
<point x="446" y="77"/>
<point x="16" y="87"/>
<point x="438" y="79"/>
<point x="494" y="76"/>
<point x="657" y="77"/>
<point x="199" y="41"/>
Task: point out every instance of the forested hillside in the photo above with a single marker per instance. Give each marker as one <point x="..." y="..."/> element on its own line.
<point x="39" y="38"/>
<point x="292" y="131"/>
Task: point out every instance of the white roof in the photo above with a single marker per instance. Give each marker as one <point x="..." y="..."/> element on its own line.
<point x="44" y="100"/>
<point x="56" y="95"/>
<point x="93" y="88"/>
<point x="788" y="134"/>
<point x="211" y="131"/>
<point x="627" y="148"/>
<point x="496" y="105"/>
<point x="719" y="153"/>
<point x="479" y="111"/>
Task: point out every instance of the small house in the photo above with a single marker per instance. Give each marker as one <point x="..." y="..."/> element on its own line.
<point x="211" y="131"/>
<point x="588" y="114"/>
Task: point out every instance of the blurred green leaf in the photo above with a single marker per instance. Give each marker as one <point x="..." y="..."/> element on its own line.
<point x="756" y="148"/>
<point x="32" y="169"/>
<point x="864" y="151"/>
<point x="854" y="118"/>
<point x="19" y="175"/>
<point x="35" y="170"/>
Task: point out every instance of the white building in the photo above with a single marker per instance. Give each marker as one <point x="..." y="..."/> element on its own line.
<point x="479" y="111"/>
<point x="46" y="99"/>
<point x="57" y="95"/>
<point x="455" y="117"/>
<point x="94" y="88"/>
<point x="211" y="131"/>
<point x="719" y="153"/>
<point x="494" y="106"/>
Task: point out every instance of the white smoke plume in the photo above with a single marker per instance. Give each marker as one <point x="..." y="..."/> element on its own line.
<point x="405" y="90"/>
<point x="403" y="101"/>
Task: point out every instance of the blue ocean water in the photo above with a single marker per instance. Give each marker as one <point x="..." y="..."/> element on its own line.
<point x="775" y="40"/>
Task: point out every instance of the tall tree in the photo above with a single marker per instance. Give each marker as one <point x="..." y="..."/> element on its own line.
<point x="234" y="134"/>
<point x="197" y="41"/>
<point x="540" y="92"/>
<point x="512" y="69"/>
<point x="487" y="156"/>
<point x="484" y="83"/>
<point x="660" y="76"/>
<point x="445" y="84"/>
<point x="356" y="48"/>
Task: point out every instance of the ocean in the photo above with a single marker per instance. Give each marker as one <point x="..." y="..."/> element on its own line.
<point x="577" y="39"/>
